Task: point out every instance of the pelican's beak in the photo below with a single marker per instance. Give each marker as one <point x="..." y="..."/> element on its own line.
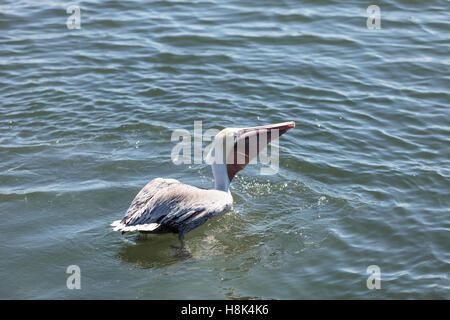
<point x="279" y="127"/>
<point x="250" y="141"/>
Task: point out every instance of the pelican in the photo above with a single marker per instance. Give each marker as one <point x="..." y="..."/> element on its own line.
<point x="167" y="205"/>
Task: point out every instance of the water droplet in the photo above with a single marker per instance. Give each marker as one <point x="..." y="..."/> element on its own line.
<point x="321" y="200"/>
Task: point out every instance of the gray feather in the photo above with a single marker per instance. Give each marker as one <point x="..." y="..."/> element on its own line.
<point x="166" y="205"/>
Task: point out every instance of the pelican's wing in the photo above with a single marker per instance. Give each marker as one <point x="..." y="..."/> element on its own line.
<point x="168" y="205"/>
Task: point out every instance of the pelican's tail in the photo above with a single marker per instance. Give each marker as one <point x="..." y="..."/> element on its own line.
<point x="115" y="223"/>
<point x="147" y="227"/>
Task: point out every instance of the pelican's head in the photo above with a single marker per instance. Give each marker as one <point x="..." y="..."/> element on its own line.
<point x="233" y="148"/>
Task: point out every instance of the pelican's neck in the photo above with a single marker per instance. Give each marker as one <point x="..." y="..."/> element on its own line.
<point x="221" y="180"/>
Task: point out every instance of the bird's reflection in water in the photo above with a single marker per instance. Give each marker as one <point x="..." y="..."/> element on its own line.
<point x="153" y="251"/>
<point x="160" y="251"/>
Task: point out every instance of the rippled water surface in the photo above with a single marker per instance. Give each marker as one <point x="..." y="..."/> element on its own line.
<point x="87" y="115"/>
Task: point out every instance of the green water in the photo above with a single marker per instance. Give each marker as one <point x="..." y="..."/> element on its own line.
<point x="87" y="115"/>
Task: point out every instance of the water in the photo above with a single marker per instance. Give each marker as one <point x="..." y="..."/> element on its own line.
<point x="86" y="119"/>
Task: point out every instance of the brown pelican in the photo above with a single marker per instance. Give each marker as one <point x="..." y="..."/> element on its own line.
<point x="167" y="205"/>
